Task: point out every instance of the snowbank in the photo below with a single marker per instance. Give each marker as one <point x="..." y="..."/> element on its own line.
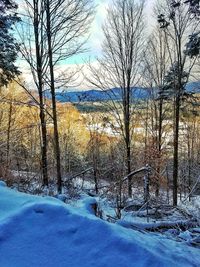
<point x="45" y="232"/>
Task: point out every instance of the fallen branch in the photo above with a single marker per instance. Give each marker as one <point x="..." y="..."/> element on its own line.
<point x="192" y="190"/>
<point x="81" y="173"/>
<point x="143" y="169"/>
<point x="154" y="227"/>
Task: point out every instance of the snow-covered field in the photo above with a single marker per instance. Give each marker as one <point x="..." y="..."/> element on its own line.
<point x="45" y="232"/>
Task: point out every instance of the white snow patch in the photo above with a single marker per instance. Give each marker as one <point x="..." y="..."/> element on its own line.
<point x="2" y="183"/>
<point x="45" y="232"/>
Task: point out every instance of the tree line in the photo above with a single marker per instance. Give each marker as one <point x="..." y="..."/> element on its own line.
<point x="164" y="62"/>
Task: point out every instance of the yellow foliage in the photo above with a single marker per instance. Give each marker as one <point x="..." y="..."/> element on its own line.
<point x="72" y="127"/>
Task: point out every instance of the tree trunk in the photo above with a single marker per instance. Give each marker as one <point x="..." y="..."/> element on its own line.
<point x="128" y="155"/>
<point x="127" y="130"/>
<point x="159" y="146"/>
<point x="126" y="107"/>
<point x="52" y="85"/>
<point x="176" y="139"/>
<point x="8" y="135"/>
<point x="44" y="144"/>
<point x="41" y="98"/>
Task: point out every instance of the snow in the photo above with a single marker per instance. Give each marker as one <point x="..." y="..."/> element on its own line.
<point x="45" y="232"/>
<point x="192" y="206"/>
<point x="88" y="204"/>
<point x="2" y="183"/>
<point x="185" y="235"/>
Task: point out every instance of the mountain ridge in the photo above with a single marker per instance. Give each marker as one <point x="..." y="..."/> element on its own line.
<point x="114" y="94"/>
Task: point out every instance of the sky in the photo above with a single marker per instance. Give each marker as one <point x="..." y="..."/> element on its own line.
<point x="96" y="35"/>
<point x="94" y="42"/>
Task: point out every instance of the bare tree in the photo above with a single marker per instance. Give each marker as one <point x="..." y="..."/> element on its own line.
<point x="32" y="36"/>
<point x="156" y="62"/>
<point x="67" y="21"/>
<point x="59" y="29"/>
<point x="120" y="64"/>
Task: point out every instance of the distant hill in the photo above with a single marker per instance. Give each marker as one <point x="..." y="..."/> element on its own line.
<point x="98" y="95"/>
<point x="193" y="87"/>
<point x="110" y="94"/>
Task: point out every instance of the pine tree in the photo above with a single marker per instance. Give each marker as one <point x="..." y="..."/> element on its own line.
<point x="193" y="45"/>
<point x="8" y="44"/>
<point x="194" y="7"/>
<point x="177" y="19"/>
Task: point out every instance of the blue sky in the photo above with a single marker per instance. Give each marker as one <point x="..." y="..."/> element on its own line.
<point x="96" y="36"/>
<point x="94" y="42"/>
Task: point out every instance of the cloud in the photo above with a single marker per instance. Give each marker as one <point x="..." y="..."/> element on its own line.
<point x="67" y="77"/>
<point x="96" y="34"/>
<point x="94" y="44"/>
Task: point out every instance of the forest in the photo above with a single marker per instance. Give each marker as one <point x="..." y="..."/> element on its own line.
<point x="128" y="138"/>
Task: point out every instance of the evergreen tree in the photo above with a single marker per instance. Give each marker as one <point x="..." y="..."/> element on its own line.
<point x="193" y="45"/>
<point x="8" y="44"/>
<point x="194" y="7"/>
<point x="175" y="22"/>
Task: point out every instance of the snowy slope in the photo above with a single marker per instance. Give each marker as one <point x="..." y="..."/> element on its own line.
<point x="44" y="232"/>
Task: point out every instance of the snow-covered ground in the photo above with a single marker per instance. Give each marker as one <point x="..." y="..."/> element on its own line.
<point x="45" y="232"/>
